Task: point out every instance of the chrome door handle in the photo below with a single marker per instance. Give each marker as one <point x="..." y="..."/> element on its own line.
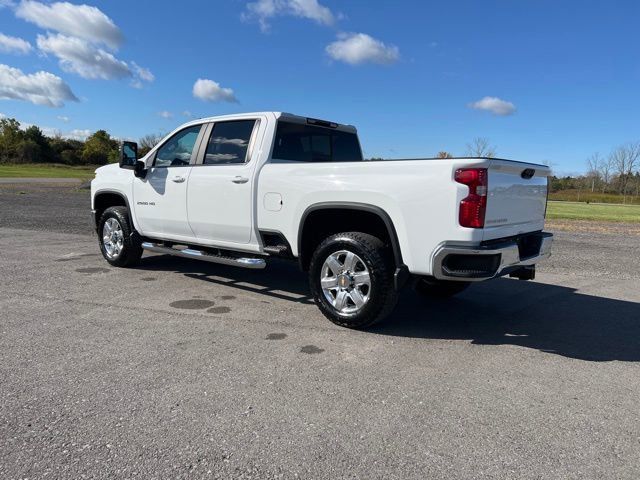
<point x="178" y="179"/>
<point x="239" y="179"/>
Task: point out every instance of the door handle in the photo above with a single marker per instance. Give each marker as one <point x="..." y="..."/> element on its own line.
<point x="239" y="179"/>
<point x="178" y="179"/>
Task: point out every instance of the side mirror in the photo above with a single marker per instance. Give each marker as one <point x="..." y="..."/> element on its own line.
<point x="128" y="155"/>
<point x="129" y="159"/>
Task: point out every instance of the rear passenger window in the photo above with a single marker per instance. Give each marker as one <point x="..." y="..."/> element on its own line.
<point x="308" y="143"/>
<point x="229" y="142"/>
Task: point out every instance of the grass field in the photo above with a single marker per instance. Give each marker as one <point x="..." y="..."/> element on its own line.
<point x="47" y="171"/>
<point x="585" y="211"/>
<point x="593" y="197"/>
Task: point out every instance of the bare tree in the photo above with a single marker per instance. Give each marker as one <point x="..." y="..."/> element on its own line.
<point x="444" y="154"/>
<point x="480" y="147"/>
<point x="594" y="163"/>
<point x="147" y="142"/>
<point x="605" y="168"/>
<point x="551" y="166"/>
<point x="626" y="159"/>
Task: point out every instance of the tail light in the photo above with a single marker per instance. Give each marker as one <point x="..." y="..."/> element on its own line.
<point x="474" y="205"/>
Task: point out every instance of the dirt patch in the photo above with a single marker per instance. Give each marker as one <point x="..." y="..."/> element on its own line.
<point x="92" y="270"/>
<point x="311" y="349"/>
<point x="219" y="310"/>
<point x="276" y="336"/>
<point x="192" y="304"/>
<point x="589" y="226"/>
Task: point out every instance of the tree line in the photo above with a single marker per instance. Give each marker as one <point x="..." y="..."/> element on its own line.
<point x="617" y="172"/>
<point x="31" y="145"/>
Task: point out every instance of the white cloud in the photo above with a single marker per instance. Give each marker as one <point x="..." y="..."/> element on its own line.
<point x="211" y="91"/>
<point x="41" y="88"/>
<point x="165" y="114"/>
<point x="265" y="10"/>
<point x="52" y="132"/>
<point x="79" y="56"/>
<point x="63" y="118"/>
<point x="141" y="75"/>
<point x="82" y="21"/>
<point x="7" y="3"/>
<point x="187" y="114"/>
<point x="2" y="115"/>
<point x="494" y="105"/>
<point x="14" y="45"/>
<point x="358" y="48"/>
<point x="83" y="33"/>
<point x="77" y="134"/>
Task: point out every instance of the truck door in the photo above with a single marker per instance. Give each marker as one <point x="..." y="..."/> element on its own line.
<point x="219" y="198"/>
<point x="160" y="199"/>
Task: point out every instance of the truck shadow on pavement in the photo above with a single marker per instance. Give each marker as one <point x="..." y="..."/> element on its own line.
<point x="549" y="318"/>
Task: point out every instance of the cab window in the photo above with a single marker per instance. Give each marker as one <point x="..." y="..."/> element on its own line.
<point x="309" y="143"/>
<point x="229" y="142"/>
<point x="177" y="151"/>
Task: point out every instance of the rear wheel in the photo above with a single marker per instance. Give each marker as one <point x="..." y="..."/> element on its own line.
<point x="119" y="243"/>
<point x="434" y="288"/>
<point x="351" y="279"/>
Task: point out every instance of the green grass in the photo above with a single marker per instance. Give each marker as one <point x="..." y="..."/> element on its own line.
<point x="585" y="211"/>
<point x="593" y="197"/>
<point x="84" y="172"/>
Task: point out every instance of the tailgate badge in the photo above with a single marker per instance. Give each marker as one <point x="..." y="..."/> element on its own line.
<point x="528" y="173"/>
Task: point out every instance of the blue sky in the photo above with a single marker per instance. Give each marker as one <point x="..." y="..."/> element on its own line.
<point x="560" y="80"/>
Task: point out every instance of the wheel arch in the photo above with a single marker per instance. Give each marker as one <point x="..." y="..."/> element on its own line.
<point x="106" y="198"/>
<point x="372" y="211"/>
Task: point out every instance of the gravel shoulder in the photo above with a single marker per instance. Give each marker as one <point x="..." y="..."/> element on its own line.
<point x="46" y="207"/>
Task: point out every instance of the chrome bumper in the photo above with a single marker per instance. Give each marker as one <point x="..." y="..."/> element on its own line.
<point x="496" y="259"/>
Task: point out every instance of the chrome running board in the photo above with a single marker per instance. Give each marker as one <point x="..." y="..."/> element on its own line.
<point x="244" y="262"/>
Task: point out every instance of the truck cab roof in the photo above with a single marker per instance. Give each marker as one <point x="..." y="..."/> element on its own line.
<point x="290" y="117"/>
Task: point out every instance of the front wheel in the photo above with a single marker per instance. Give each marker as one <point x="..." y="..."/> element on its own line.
<point x="119" y="243"/>
<point x="351" y="279"/>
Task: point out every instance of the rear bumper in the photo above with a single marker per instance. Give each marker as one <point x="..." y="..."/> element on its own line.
<point x="490" y="259"/>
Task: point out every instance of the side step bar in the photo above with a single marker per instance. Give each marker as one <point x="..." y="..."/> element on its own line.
<point x="245" y="262"/>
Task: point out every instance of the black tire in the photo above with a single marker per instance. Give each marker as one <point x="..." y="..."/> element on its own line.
<point x="131" y="251"/>
<point x="434" y="288"/>
<point x="376" y="259"/>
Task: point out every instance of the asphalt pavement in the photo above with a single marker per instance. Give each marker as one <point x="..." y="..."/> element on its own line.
<point x="183" y="369"/>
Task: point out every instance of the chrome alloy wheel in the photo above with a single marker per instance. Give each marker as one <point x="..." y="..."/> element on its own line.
<point x="112" y="238"/>
<point x="345" y="281"/>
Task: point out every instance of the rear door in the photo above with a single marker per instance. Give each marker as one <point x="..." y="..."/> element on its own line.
<point x="517" y="198"/>
<point x="220" y="193"/>
<point x="160" y="199"/>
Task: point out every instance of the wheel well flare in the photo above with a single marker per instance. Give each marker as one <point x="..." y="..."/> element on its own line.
<point x="104" y="200"/>
<point x="320" y="222"/>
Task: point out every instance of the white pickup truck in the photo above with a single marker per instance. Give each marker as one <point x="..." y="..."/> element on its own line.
<point x="241" y="189"/>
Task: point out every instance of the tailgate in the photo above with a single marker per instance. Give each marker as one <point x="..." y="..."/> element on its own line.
<point x="517" y="198"/>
